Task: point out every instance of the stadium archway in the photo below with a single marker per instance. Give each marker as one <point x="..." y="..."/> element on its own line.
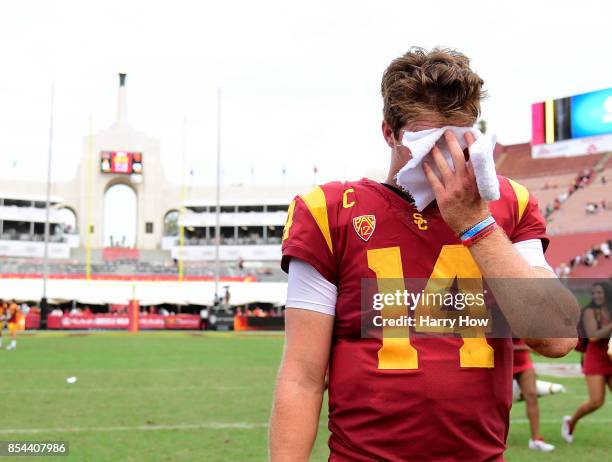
<point x="171" y="223"/>
<point x="69" y="220"/>
<point x="120" y="215"/>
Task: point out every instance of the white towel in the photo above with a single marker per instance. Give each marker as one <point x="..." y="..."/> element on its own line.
<point x="412" y="178"/>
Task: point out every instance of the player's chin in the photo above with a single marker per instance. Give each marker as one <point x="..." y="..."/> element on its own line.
<point x="553" y="347"/>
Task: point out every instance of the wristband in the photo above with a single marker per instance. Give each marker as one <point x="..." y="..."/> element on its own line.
<point x="475" y="229"/>
<point x="479" y="236"/>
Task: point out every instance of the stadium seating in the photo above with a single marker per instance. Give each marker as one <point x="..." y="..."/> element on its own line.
<point x="515" y="162"/>
<point x="572" y="217"/>
<point x="268" y="272"/>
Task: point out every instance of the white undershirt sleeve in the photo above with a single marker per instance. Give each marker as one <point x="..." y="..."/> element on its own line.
<point x="309" y="290"/>
<point x="532" y="251"/>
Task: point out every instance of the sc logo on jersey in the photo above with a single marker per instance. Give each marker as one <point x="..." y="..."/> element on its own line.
<point x="420" y="221"/>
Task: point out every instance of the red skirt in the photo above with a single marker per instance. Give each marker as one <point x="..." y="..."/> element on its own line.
<point x="596" y="359"/>
<point x="522" y="362"/>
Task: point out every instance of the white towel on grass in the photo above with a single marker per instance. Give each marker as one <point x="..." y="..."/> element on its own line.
<point x="412" y="178"/>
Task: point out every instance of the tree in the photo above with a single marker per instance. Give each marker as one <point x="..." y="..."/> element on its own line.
<point x="482" y="125"/>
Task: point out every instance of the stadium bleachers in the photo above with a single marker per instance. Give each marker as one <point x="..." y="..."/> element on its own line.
<point x="515" y="162"/>
<point x="565" y="247"/>
<point x="575" y="231"/>
<point x="572" y="217"/>
<point x="548" y="183"/>
<point x="268" y="272"/>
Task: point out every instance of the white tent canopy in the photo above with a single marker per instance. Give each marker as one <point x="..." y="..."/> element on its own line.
<point x="147" y="292"/>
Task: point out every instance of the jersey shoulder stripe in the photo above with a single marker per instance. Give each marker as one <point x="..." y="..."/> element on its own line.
<point x="317" y="206"/>
<point x="522" y="197"/>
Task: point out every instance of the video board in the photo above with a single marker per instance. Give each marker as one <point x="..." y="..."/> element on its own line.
<point x="121" y="162"/>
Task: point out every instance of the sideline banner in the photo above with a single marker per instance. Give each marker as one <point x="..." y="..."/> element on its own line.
<point x="109" y="321"/>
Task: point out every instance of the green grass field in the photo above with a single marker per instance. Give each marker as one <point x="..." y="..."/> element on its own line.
<point x="189" y="396"/>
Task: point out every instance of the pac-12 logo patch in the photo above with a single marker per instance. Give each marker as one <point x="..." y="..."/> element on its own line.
<point x="364" y="226"/>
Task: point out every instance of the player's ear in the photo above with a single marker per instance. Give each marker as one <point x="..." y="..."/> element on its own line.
<point x="387" y="132"/>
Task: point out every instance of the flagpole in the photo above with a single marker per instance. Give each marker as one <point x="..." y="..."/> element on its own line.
<point x="181" y="264"/>
<point x="89" y="200"/>
<point x="43" y="301"/>
<point x="218" y="196"/>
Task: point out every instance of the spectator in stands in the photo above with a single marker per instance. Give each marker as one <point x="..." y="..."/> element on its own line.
<point x="75" y="311"/>
<point x="563" y="271"/>
<point x="589" y="258"/>
<point x="258" y="312"/>
<point x="549" y="210"/>
<point x="605" y="249"/>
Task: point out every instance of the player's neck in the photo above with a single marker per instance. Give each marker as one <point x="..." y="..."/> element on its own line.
<point x="391" y="181"/>
<point x="399" y="191"/>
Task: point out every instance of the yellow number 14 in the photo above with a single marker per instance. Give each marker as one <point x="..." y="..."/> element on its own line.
<point x="454" y="262"/>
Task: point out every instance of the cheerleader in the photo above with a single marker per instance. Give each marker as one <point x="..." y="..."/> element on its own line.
<point x="525" y="375"/>
<point x="596" y="365"/>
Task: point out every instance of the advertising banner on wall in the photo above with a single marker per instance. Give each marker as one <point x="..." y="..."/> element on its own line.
<point x="110" y="321"/>
<point x="575" y="147"/>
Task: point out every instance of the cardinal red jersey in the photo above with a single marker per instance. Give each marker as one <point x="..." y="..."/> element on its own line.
<point x="415" y="399"/>
<point x="13" y="313"/>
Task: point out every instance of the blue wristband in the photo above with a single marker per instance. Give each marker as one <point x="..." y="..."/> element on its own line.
<point x="478" y="227"/>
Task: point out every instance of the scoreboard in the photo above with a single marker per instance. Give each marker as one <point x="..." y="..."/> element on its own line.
<point x="574" y="125"/>
<point x="121" y="162"/>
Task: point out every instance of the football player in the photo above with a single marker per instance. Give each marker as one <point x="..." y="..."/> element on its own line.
<point x="3" y="310"/>
<point x="13" y="324"/>
<point x="403" y="398"/>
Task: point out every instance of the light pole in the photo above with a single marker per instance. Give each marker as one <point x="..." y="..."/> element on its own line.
<point x="218" y="197"/>
<point x="43" y="300"/>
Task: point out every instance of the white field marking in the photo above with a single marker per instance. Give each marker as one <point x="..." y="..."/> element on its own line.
<point x="199" y="426"/>
<point x="565" y="370"/>
<point x="214" y="426"/>
<point x="127" y="388"/>
<point x="586" y="420"/>
<point x="102" y="370"/>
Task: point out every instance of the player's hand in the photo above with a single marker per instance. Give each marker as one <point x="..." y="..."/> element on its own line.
<point x="456" y="192"/>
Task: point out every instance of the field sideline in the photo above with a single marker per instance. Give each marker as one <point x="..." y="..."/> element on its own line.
<point x="182" y="396"/>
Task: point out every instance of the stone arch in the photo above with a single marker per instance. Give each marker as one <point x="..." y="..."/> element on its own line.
<point x="120" y="216"/>
<point x="70" y="219"/>
<point x="171" y="223"/>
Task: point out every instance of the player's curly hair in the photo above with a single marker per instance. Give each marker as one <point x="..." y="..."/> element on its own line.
<point x="431" y="85"/>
